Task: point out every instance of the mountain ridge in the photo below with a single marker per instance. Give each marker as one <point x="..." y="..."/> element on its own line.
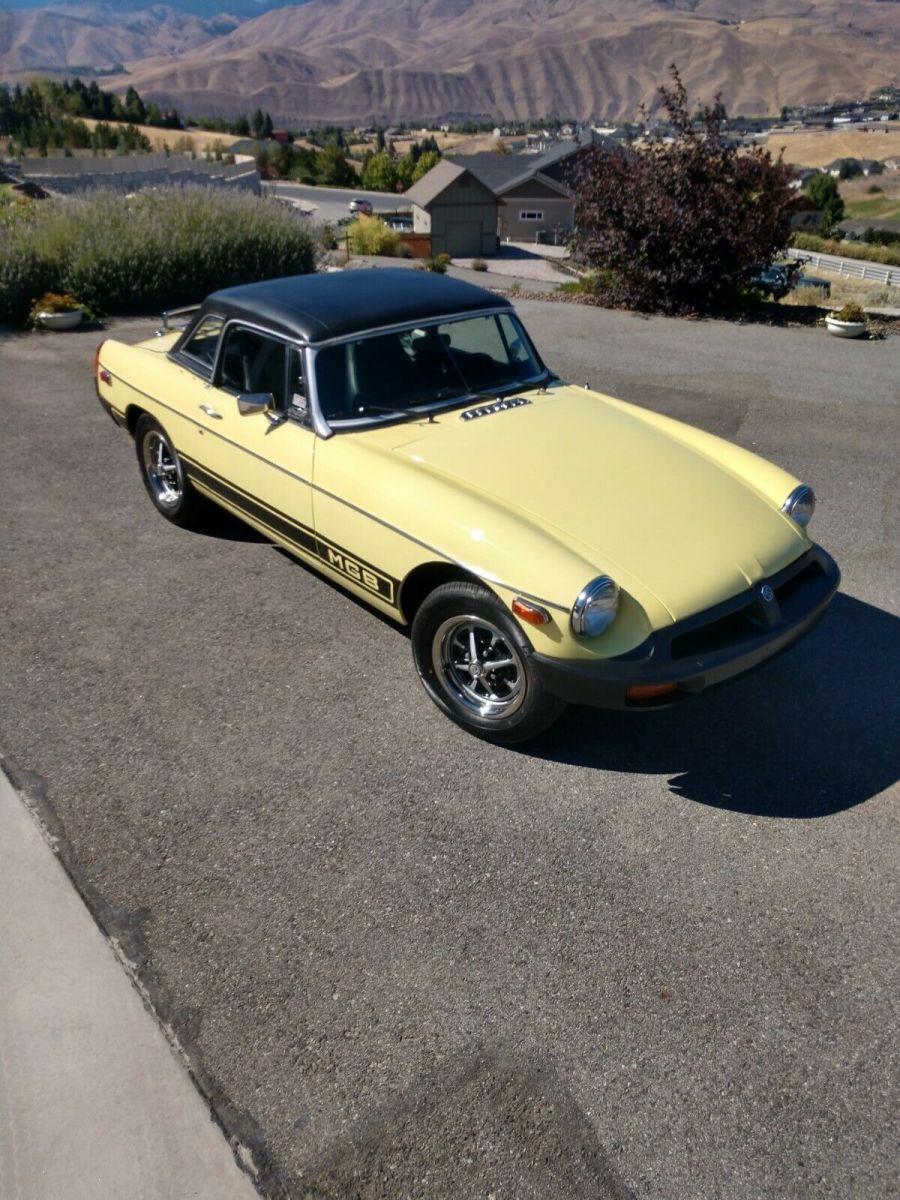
<point x="364" y="62"/>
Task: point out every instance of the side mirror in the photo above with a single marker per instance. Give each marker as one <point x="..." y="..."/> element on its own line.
<point x="255" y="402"/>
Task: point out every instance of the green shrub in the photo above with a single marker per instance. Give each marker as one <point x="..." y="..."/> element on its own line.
<point x="880" y="237"/>
<point x="809" y="241"/>
<point x="850" y="312"/>
<point x="370" y="235"/>
<point x="594" y="283"/>
<point x="437" y="263"/>
<point x="148" y="252"/>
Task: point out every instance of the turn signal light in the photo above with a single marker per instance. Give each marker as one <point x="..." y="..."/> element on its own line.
<point x="533" y="614"/>
<point x="649" y="691"/>
<point x="97" y="358"/>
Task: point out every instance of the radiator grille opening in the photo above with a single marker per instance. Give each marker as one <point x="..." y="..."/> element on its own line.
<point x="737" y="627"/>
<point x="797" y="583"/>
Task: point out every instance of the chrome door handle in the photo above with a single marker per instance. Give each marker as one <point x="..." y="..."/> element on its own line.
<point x="210" y="411"/>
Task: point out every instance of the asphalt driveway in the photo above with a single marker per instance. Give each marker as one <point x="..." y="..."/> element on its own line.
<point x="649" y="956"/>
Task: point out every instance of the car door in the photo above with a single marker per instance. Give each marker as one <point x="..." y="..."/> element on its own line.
<point x="258" y="462"/>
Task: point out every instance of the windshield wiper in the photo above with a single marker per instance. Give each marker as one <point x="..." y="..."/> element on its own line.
<point x="378" y="408"/>
<point x="427" y="409"/>
<point x="498" y="392"/>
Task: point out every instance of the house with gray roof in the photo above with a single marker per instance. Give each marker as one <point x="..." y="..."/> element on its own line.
<point x="534" y="203"/>
<point x="846" y="167"/>
<point x="456" y="210"/>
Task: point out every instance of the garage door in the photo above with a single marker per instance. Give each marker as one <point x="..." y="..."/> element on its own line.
<point x="463" y="239"/>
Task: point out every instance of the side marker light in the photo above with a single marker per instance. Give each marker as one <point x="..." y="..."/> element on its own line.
<point x="533" y="614"/>
<point x="649" y="691"/>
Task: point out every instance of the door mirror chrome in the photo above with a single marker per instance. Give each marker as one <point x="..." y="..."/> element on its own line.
<point x="255" y="402"/>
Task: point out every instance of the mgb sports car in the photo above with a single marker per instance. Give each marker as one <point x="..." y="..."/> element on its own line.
<point x="399" y="432"/>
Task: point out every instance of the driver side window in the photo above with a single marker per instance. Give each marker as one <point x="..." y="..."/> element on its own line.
<point x="254" y="363"/>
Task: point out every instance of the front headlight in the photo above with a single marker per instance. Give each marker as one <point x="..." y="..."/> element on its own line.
<point x="800" y="505"/>
<point x="596" y="606"/>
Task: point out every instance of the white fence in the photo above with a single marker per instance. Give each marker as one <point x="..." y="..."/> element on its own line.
<point x="858" y="268"/>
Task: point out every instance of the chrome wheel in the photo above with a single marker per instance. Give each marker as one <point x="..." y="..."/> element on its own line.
<point x="479" y="666"/>
<point x="162" y="470"/>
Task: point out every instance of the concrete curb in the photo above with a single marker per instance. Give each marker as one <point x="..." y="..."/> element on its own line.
<point x="94" y="1101"/>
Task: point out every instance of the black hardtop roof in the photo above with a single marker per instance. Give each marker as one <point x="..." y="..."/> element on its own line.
<point x="316" y="308"/>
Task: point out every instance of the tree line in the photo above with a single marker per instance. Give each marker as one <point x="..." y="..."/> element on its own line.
<point x="47" y="115"/>
<point x="381" y="171"/>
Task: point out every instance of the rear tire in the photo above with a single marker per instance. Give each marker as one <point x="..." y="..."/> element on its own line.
<point x="164" y="475"/>
<point x="475" y="663"/>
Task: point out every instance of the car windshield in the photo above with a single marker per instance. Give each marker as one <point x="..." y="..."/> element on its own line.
<point x="423" y="368"/>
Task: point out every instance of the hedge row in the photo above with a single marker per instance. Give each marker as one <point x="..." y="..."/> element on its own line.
<point x="144" y="253"/>
<point x="877" y="254"/>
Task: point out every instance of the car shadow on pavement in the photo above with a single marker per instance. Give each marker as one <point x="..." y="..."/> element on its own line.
<point x="812" y="733"/>
<point x="219" y="523"/>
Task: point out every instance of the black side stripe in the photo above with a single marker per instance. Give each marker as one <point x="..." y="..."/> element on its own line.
<point x="340" y="500"/>
<point x="351" y="566"/>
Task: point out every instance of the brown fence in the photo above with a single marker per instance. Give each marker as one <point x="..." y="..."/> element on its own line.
<point x="418" y="243"/>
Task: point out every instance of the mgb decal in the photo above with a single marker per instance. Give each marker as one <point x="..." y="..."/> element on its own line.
<point x="359" y="572"/>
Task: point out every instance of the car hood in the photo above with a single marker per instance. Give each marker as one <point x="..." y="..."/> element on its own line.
<point x="638" y="500"/>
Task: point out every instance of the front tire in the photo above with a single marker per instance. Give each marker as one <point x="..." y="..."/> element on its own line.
<point x="164" y="476"/>
<point x="475" y="663"/>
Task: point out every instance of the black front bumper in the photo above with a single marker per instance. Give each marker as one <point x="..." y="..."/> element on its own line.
<point x="727" y="640"/>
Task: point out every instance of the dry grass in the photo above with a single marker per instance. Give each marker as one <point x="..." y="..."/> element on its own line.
<point x="453" y="143"/>
<point x="199" y="139"/>
<point x="819" y="149"/>
<point x="844" y="290"/>
<point x="860" y="202"/>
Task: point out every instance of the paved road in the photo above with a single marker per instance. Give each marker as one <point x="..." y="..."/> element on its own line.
<point x="331" y="204"/>
<point x="651" y="956"/>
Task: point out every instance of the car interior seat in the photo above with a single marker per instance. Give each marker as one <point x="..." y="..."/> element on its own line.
<point x="384" y="375"/>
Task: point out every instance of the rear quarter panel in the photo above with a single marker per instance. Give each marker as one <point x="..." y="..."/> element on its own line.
<point x="144" y="378"/>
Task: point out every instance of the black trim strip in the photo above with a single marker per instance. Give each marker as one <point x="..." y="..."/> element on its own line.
<point x="350" y="566"/>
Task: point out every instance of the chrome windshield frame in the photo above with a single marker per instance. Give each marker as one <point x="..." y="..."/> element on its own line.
<point x="423" y="411"/>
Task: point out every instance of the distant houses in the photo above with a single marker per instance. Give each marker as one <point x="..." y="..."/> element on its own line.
<point x="846" y="168"/>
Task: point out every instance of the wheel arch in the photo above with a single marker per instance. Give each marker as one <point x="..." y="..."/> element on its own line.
<point x="424" y="578"/>
<point x="133" y="414"/>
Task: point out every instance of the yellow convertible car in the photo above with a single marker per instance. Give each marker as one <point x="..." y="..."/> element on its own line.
<point x="399" y="432"/>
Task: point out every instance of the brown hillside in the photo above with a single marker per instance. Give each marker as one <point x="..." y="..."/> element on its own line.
<point x="363" y="61"/>
<point x="45" y="39"/>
